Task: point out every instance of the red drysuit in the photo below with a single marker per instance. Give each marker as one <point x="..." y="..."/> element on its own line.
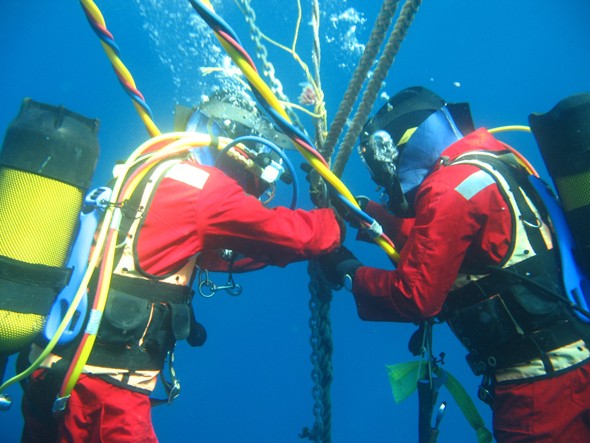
<point x="447" y="230"/>
<point x="451" y="230"/>
<point x="195" y="211"/>
<point x="221" y="215"/>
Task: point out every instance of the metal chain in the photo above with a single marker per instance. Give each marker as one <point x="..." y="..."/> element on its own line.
<point x="321" y="357"/>
<point x="262" y="55"/>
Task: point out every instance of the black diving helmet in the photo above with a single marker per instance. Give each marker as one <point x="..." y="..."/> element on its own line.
<point x="402" y="141"/>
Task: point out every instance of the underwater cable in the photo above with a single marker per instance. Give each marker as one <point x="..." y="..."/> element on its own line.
<point x="268" y="100"/>
<point x="98" y="25"/>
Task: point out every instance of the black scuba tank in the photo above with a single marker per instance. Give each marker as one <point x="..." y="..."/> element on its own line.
<point x="563" y="136"/>
<point x="47" y="161"/>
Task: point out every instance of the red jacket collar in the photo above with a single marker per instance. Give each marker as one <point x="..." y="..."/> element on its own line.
<point x="478" y="140"/>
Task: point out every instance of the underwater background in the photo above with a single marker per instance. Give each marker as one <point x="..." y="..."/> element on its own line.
<point x="251" y="381"/>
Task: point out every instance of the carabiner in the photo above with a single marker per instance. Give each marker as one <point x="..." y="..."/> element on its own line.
<point x="207" y="288"/>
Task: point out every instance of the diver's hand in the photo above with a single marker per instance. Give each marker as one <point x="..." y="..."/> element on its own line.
<point x="318" y="190"/>
<point x="362" y="201"/>
<point x="344" y="211"/>
<point x="323" y="198"/>
<point x="339" y="267"/>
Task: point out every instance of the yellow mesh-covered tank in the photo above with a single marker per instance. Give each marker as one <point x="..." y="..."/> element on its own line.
<point x="46" y="165"/>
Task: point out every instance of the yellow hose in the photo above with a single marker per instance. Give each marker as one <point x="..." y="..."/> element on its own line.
<point x="183" y="141"/>
<point x="262" y="88"/>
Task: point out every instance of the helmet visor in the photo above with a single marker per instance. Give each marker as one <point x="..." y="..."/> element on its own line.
<point x="380" y="155"/>
<point x="204" y="124"/>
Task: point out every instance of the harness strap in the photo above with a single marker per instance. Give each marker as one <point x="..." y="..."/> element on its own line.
<point x="534" y="345"/>
<point x="516" y="313"/>
<point x="151" y="290"/>
<point x="134" y="359"/>
<point x="26" y="299"/>
<point x="518" y="186"/>
<point x="33" y="274"/>
<point x="28" y="287"/>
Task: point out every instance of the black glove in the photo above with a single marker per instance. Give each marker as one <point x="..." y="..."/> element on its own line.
<point x="318" y="191"/>
<point x="322" y="197"/>
<point x="337" y="264"/>
<point x="343" y="211"/>
<point x="362" y="201"/>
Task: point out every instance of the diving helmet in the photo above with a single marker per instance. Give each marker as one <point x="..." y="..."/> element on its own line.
<point x="402" y="141"/>
<point x="233" y="115"/>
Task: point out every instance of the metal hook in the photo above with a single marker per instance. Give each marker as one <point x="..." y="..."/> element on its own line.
<point x="232" y="288"/>
<point x="207" y="288"/>
<point x="171" y="386"/>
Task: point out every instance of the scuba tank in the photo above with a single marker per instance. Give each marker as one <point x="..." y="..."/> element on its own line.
<point x="563" y="137"/>
<point x="46" y="164"/>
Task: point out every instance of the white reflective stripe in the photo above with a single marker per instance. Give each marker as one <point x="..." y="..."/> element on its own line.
<point x="474" y="183"/>
<point x="189" y="175"/>
<point x="523" y="247"/>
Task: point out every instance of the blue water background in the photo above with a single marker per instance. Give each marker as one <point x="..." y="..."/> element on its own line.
<point x="251" y="381"/>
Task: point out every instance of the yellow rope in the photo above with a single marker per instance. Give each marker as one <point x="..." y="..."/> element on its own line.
<point x="119" y="66"/>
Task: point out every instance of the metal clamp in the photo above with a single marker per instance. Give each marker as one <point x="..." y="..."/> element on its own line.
<point x="207" y="288"/>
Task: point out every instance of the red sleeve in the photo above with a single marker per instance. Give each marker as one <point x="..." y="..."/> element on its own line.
<point x="227" y="217"/>
<point x="449" y="230"/>
<point x="444" y="228"/>
<point x="185" y="220"/>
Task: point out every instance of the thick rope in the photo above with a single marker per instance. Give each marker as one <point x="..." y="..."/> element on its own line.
<point x="321" y="357"/>
<point x="385" y="61"/>
<point x="317" y="186"/>
<point x="383" y="22"/>
<point x="321" y="337"/>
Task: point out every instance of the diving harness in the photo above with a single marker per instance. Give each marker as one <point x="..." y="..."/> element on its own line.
<point x="510" y="314"/>
<point x="68" y="314"/>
